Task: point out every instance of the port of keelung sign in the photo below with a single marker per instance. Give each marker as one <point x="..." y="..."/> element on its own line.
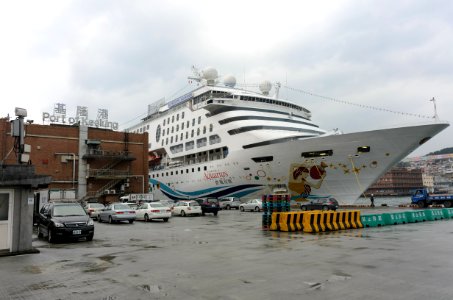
<point x="59" y="117"/>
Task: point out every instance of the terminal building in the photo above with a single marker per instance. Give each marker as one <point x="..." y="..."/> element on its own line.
<point x="85" y="163"/>
<point x="397" y="182"/>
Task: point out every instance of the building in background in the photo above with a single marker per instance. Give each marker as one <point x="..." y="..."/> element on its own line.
<point x="397" y="182"/>
<point x="85" y="163"/>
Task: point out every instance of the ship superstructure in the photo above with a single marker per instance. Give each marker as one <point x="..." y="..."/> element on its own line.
<point x="224" y="141"/>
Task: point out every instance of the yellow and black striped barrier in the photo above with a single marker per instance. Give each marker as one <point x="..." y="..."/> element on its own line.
<point x="315" y="221"/>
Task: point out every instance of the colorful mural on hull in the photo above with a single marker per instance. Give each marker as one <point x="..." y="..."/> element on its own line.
<point x="304" y="177"/>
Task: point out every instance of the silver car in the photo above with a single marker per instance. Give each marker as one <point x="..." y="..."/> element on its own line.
<point x="117" y="212"/>
<point x="93" y="209"/>
<point x="229" y="203"/>
<point x="252" y="205"/>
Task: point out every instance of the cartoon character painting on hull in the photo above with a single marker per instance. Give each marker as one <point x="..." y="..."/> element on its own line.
<point x="303" y="177"/>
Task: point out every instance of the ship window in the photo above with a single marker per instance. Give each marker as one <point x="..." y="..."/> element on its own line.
<point x="204" y="129"/>
<point x="147" y="127"/>
<point x="199" y="169"/>
<point x="191" y="134"/>
<point x="163" y="132"/>
<point x="188" y="124"/>
<point x="164" y="122"/>
<point x="172" y="118"/>
<point x="182" y="115"/>
<point x="168" y="130"/>
<point x="246" y="168"/>
<point x="176" y="138"/>
<point x="187" y="135"/>
<point x="166" y="141"/>
<point x="205" y="168"/>
<point x="187" y="171"/>
<point x="182" y="125"/>
<point x="171" y="140"/>
<point x="177" y="117"/>
<point x="182" y="135"/>
<point x="189" y="145"/>
<point x="199" y="120"/>
<point x="201" y="142"/>
<point x="166" y="173"/>
<point x="193" y="170"/>
<point x="177" y="127"/>
<point x="168" y="120"/>
<point x="158" y="130"/>
<point x="211" y="127"/>
<point x="363" y="149"/>
<point x="198" y="131"/>
<point x="171" y="173"/>
<point x="193" y="122"/>
<point x="263" y="159"/>
<point x="321" y="153"/>
<point x="172" y="129"/>
<point x="214" y="139"/>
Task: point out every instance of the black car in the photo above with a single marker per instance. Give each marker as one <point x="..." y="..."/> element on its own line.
<point x="58" y="220"/>
<point x="209" y="205"/>
<point x="320" y="204"/>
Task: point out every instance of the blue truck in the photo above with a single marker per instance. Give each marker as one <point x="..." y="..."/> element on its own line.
<point x="423" y="198"/>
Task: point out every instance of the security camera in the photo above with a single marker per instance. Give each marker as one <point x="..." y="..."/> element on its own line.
<point x="20" y="112"/>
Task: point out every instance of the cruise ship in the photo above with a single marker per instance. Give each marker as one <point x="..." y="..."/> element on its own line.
<point x="219" y="140"/>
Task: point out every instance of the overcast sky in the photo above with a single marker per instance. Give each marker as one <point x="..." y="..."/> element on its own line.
<point x="124" y="55"/>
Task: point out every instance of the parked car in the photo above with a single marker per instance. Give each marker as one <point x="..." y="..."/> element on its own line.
<point x="252" y="205"/>
<point x="153" y="210"/>
<point x="93" y="209"/>
<point x="209" y="206"/>
<point x="320" y="204"/>
<point x="59" y="220"/>
<point x="186" y="207"/>
<point x="117" y="212"/>
<point x="229" y="203"/>
<point x="132" y="205"/>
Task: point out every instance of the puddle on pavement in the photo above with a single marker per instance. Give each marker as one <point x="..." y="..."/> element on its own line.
<point x="108" y="258"/>
<point x="46" y="285"/>
<point x="32" y="270"/>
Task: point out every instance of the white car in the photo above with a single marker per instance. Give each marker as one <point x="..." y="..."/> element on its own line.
<point x="185" y="208"/>
<point x="93" y="209"/>
<point x="252" y="205"/>
<point x="153" y="210"/>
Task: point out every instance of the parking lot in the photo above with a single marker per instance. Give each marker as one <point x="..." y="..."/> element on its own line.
<point x="229" y="256"/>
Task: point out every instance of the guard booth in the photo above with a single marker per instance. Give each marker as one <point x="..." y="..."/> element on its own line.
<point x="17" y="183"/>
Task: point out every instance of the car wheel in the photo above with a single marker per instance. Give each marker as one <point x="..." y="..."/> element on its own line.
<point x="257" y="208"/>
<point x="304" y="208"/>
<point x="131" y="221"/>
<point x="228" y="207"/>
<point x="165" y="219"/>
<point x="324" y="208"/>
<point x="202" y="213"/>
<point x="241" y="208"/>
<point x="90" y="237"/>
<point x="50" y="236"/>
<point x="447" y="204"/>
<point x="99" y="219"/>
<point x="215" y="213"/>
<point x="110" y="220"/>
<point x="146" y="218"/>
<point x="183" y="213"/>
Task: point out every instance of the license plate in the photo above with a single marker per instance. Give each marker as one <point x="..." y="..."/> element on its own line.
<point x="213" y="205"/>
<point x="75" y="232"/>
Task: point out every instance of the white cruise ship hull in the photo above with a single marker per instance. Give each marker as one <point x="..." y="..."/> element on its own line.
<point x="344" y="172"/>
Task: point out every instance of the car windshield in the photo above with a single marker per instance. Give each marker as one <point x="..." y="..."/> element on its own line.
<point x="155" y="205"/>
<point x="121" y="206"/>
<point x="68" y="210"/>
<point x="194" y="203"/>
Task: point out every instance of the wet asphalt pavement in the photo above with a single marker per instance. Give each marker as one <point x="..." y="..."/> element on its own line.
<point x="230" y="257"/>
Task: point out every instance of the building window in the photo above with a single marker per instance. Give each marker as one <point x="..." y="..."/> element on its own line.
<point x="211" y="127"/>
<point x="199" y="120"/>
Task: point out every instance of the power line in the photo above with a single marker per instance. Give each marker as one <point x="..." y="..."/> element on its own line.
<point x="357" y="104"/>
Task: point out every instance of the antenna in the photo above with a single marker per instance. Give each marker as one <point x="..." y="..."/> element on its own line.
<point x="436" y="117"/>
<point x="277" y="89"/>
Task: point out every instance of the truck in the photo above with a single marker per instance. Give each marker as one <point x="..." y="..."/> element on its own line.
<point x="423" y="198"/>
<point x="136" y="198"/>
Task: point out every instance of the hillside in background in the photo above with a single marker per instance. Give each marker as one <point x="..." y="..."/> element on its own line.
<point x="443" y="151"/>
